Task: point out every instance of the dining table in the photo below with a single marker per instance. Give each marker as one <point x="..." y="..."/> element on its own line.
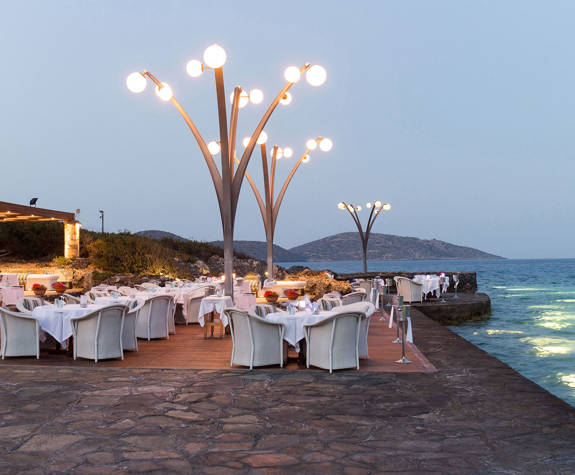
<point x="430" y="283"/>
<point x="217" y="304"/>
<point x="294" y="323"/>
<point x="56" y="321"/>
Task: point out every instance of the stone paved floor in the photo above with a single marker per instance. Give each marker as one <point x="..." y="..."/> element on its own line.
<point x="473" y="415"/>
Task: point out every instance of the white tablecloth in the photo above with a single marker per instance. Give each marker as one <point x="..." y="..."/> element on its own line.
<point x="122" y="300"/>
<point x="10" y="295"/>
<point x="10" y="279"/>
<point x="219" y="304"/>
<point x="56" y="321"/>
<point x="245" y="301"/>
<point x="44" y="279"/>
<point x="293" y="324"/>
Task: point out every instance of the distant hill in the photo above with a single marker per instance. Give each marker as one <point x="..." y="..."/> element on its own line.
<point x="347" y="247"/>
<point x="155" y="234"/>
<point x="258" y="250"/>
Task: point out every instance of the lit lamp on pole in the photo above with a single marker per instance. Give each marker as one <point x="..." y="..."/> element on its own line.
<point x="226" y="178"/>
<point x="376" y="208"/>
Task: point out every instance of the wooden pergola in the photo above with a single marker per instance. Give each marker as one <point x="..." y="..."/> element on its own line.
<point x="15" y="213"/>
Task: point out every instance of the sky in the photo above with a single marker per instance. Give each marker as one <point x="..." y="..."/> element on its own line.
<point x="458" y="113"/>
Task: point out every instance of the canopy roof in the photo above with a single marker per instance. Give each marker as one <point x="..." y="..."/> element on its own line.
<point x="11" y="212"/>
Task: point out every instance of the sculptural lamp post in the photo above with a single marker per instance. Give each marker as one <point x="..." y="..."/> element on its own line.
<point x="226" y="179"/>
<point x="270" y="204"/>
<point x="376" y="208"/>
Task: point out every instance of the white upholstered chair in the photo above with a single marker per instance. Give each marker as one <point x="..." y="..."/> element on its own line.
<point x="332" y="343"/>
<point x="70" y="299"/>
<point x="410" y="291"/>
<point x="20" y="334"/>
<point x="256" y="341"/>
<point x="368" y="309"/>
<point x="327" y="304"/>
<point x="152" y="320"/>
<point x="261" y="309"/>
<point x="172" y="316"/>
<point x="129" y="340"/>
<point x="192" y="305"/>
<point x="353" y="297"/>
<point x="28" y="304"/>
<point x="98" y="334"/>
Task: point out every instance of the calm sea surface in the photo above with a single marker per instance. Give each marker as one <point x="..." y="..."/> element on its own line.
<point x="532" y="326"/>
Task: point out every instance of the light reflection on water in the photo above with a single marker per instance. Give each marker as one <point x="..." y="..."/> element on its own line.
<point x="532" y="326"/>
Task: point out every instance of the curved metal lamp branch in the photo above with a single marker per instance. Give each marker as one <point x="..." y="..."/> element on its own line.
<point x="287" y="181"/>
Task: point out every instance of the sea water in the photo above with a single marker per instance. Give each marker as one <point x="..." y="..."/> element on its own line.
<point x="532" y="325"/>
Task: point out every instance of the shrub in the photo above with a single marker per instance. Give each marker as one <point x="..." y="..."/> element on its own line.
<point x="62" y="261"/>
<point x="319" y="283"/>
<point x="31" y="240"/>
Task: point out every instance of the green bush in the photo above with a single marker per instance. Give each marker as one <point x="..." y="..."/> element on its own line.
<point x="27" y="241"/>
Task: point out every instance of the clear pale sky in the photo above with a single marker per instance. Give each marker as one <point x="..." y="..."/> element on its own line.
<point x="458" y="113"/>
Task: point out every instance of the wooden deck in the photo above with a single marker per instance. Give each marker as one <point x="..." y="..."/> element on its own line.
<point x="188" y="349"/>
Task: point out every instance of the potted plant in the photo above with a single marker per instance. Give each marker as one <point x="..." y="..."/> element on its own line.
<point x="59" y="287"/>
<point x="271" y="296"/>
<point x="291" y="294"/>
<point x="39" y="290"/>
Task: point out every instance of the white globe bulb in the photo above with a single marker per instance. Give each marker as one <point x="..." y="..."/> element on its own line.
<point x="305" y="159"/>
<point x="377" y="204"/>
<point x="292" y="74"/>
<point x="256" y="96"/>
<point x="288" y="152"/>
<point x="368" y="205"/>
<point x="263" y="138"/>
<point x="358" y="208"/>
<point x="215" y="56"/>
<point x="245" y="141"/>
<point x="316" y="75"/>
<point x="386" y="206"/>
<point x="279" y="153"/>
<point x="165" y="93"/>
<point x="311" y="144"/>
<point x="341" y="205"/>
<point x="194" y="68"/>
<point x="286" y="99"/>
<point x="325" y="145"/>
<point x="214" y="148"/>
<point x="136" y="82"/>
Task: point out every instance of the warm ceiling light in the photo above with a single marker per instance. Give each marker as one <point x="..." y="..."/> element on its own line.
<point x="263" y="138"/>
<point x="311" y="144"/>
<point x="215" y="56"/>
<point x="292" y="74"/>
<point x="325" y="145"/>
<point x="194" y="68"/>
<point x="245" y="141"/>
<point x="316" y="75"/>
<point x="136" y="82"/>
<point x="256" y="96"/>
<point x="214" y="148"/>
<point x="286" y="99"/>
<point x="165" y="93"/>
<point x="288" y="152"/>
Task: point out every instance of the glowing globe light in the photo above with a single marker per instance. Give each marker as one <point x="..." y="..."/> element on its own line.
<point x="136" y="82"/>
<point x="215" y="56"/>
<point x="316" y="75"/>
<point x="341" y="205"/>
<point x="350" y="208"/>
<point x="292" y="74"/>
<point x="386" y="206"/>
<point x="165" y="93"/>
<point x="214" y="148"/>
<point x="286" y="99"/>
<point x="262" y="139"/>
<point x="194" y="68"/>
<point x="245" y="141"/>
<point x="256" y="96"/>
<point x="311" y="144"/>
<point x="368" y="205"/>
<point x="279" y="153"/>
<point x="305" y="159"/>
<point x="288" y="152"/>
<point x="325" y="145"/>
<point x="377" y="204"/>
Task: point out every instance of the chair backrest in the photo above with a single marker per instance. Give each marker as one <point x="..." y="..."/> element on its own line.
<point x="365" y="285"/>
<point x="19" y="333"/>
<point x="135" y="305"/>
<point x="193" y="303"/>
<point x="70" y="299"/>
<point x="367" y="308"/>
<point x="102" y="327"/>
<point x="154" y="313"/>
<point x="261" y="309"/>
<point x="328" y="304"/>
<point x="409" y="290"/>
<point x="341" y="334"/>
<point x="353" y="297"/>
<point x="28" y="304"/>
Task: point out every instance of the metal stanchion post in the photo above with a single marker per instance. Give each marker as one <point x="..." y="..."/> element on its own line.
<point x="403" y="321"/>
<point x="399" y="313"/>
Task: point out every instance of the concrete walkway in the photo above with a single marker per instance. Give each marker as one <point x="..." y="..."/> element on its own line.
<point x="474" y="415"/>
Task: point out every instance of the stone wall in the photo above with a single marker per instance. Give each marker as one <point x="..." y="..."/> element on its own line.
<point x="467" y="280"/>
